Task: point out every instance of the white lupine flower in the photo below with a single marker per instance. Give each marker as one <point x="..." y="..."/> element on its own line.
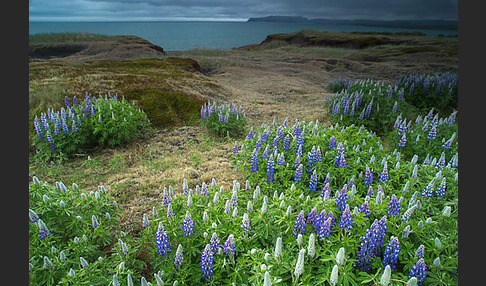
<point x="249" y="206"/>
<point x="264" y="207"/>
<point x="205" y="235"/>
<point x="129" y="280"/>
<point x="45" y="198"/>
<point x="216" y="198"/>
<point x="420" y="224"/>
<point x="205" y="216"/>
<point x="62" y="204"/>
<point x="189" y="200"/>
<point x="155" y="213"/>
<point x="71" y="273"/>
<point x="121" y="266"/>
<point x="94" y="221"/>
<point x="299" y="266"/>
<point x="247" y="185"/>
<point x="213" y="183"/>
<point x="267" y="257"/>
<point x="385" y="278"/>
<point x="428" y="220"/>
<point x="340" y="256"/>
<point x="176" y="283"/>
<point x="35" y="180"/>
<point x="275" y="195"/>
<point x="300" y="239"/>
<point x="263" y="267"/>
<point x="84" y="263"/>
<point x="267" y="281"/>
<point x="437" y="243"/>
<point x="235" y="212"/>
<point x="437" y="262"/>
<point x="62" y="256"/>
<point x="301" y="196"/>
<point x="115" y="280"/>
<point x="292" y="188"/>
<point x="214" y="225"/>
<point x="289" y="211"/>
<point x="311" y="248"/>
<point x="47" y="262"/>
<point x="282" y="204"/>
<point x="282" y="195"/>
<point x="334" y="275"/>
<point x="158" y="279"/>
<point x="447" y="211"/>
<point x="62" y="187"/>
<point x="221" y="189"/>
<point x="253" y="251"/>
<point x="97" y="195"/>
<point x="143" y="281"/>
<point x="412" y="281"/>
<point x="145" y="220"/>
<point x="278" y="248"/>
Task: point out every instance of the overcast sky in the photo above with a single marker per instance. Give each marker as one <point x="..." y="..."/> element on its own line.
<point x="239" y="10"/>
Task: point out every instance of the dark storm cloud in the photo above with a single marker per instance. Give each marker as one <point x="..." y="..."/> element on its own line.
<point x="238" y="9"/>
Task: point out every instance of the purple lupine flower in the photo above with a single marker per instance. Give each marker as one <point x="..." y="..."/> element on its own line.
<point x="433" y="132"/>
<point x="226" y="118"/>
<point x="312" y="218"/>
<point x="402" y="128"/>
<point x="286" y="143"/>
<point x="245" y="222"/>
<point x="342" y="198"/>
<point x="254" y="162"/>
<point x="179" y="258"/>
<point x="300" y="223"/>
<point x="393" y="207"/>
<point x="311" y="161"/>
<point x="166" y="198"/>
<point x="188" y="225"/>
<point x="384" y="175"/>
<point x="162" y="241"/>
<point x="402" y="141"/>
<point x="33" y="216"/>
<point x="428" y="191"/>
<point x="270" y="170"/>
<point x="391" y="253"/>
<point x="73" y="126"/>
<point x="300" y="144"/>
<point x="297" y="161"/>
<point x="220" y="117"/>
<point x="332" y="143"/>
<point x="364" y="263"/>
<point x="298" y="174"/>
<point x="214" y="243"/>
<point x="342" y="161"/>
<point x="66" y="102"/>
<point x="419" y="253"/>
<point x="441" y="162"/>
<point x="326" y="189"/>
<point x="394" y="108"/>
<point x="297" y="130"/>
<point x="368" y="181"/>
<point x="250" y="135"/>
<point x="313" y="182"/>
<point x="275" y="141"/>
<point x="229" y="245"/>
<point x="370" y="192"/>
<point x="441" y="189"/>
<point x="204" y="190"/>
<point x="318" y="154"/>
<point x="339" y="152"/>
<point x="365" y="209"/>
<point x="321" y="217"/>
<point x="50" y="140"/>
<point x="265" y="135"/>
<point x="170" y="213"/>
<point x="207" y="261"/>
<point x="325" y="228"/>
<point x="235" y="148"/>
<point x="38" y="129"/>
<point x="419" y="271"/>
<point x="281" y="159"/>
<point x="43" y="231"/>
<point x="346" y="221"/>
<point x="381" y="228"/>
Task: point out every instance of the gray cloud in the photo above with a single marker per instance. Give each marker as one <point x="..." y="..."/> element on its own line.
<point x="238" y="9"/>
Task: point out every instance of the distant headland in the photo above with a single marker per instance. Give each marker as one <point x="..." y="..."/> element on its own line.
<point x="417" y="24"/>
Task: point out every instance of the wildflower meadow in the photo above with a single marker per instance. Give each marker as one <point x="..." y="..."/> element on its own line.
<point x="370" y="198"/>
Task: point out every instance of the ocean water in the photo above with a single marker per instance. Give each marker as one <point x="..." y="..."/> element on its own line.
<point x="182" y="36"/>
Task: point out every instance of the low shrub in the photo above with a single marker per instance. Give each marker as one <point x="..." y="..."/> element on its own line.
<point x="223" y="119"/>
<point x="81" y="126"/>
